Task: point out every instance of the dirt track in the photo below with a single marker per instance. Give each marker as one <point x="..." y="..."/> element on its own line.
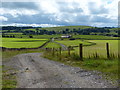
<point x="62" y="45"/>
<point x="34" y="71"/>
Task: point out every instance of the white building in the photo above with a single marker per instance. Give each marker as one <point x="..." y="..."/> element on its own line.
<point x="66" y="36"/>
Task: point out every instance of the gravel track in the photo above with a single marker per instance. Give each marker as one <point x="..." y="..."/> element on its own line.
<point x="34" y="71"/>
<point x="62" y="45"/>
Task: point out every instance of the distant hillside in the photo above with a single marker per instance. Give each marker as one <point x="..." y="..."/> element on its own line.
<point x="72" y="30"/>
<point x="114" y="29"/>
<point x="66" y="27"/>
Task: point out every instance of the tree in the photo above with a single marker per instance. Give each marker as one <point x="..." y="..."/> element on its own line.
<point x="13" y="36"/>
<point x="30" y="36"/>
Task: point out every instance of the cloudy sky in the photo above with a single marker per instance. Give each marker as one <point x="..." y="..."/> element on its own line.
<point x="59" y="12"/>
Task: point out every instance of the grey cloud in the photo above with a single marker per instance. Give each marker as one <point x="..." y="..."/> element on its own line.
<point x="73" y="10"/>
<point x="119" y="21"/>
<point x="119" y="9"/>
<point x="94" y="10"/>
<point x="66" y="13"/>
<point x="102" y="19"/>
<point x="38" y="19"/>
<point x="64" y="7"/>
<point x="50" y="19"/>
<point x="119" y="14"/>
<point x="82" y="18"/>
<point x="16" y="5"/>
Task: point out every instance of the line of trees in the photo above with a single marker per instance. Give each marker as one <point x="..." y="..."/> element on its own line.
<point x="9" y="36"/>
<point x="39" y="31"/>
<point x="16" y="28"/>
<point x="68" y="31"/>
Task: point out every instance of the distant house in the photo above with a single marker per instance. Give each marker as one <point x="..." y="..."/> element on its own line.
<point x="66" y="36"/>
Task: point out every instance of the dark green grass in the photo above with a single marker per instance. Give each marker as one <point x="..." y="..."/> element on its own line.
<point x="94" y="37"/>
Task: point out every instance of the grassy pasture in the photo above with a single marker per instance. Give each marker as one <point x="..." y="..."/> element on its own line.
<point x="73" y="42"/>
<point x="116" y="29"/>
<point x="22" y="43"/>
<point x="100" y="48"/>
<point x="13" y="33"/>
<point x="37" y="36"/>
<point x="68" y="27"/>
<point x="91" y="47"/>
<point x="46" y="36"/>
<point x="94" y="37"/>
<point x="29" y="29"/>
<point x="51" y="45"/>
<point x="87" y="37"/>
<point x="7" y="30"/>
<point x="61" y="28"/>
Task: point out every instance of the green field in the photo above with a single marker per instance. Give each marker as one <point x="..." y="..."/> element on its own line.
<point x="35" y="36"/>
<point x="22" y="43"/>
<point x="100" y="48"/>
<point x="91" y="47"/>
<point x="116" y="29"/>
<point x="29" y="29"/>
<point x="94" y="37"/>
<point x="45" y="36"/>
<point x="51" y="45"/>
<point x="73" y="42"/>
<point x="13" y="33"/>
<point x="61" y="28"/>
<point x="87" y="37"/>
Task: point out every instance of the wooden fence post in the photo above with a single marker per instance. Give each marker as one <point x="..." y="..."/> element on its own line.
<point x="81" y="51"/>
<point x="107" y="48"/>
<point x="50" y="49"/>
<point x="57" y="51"/>
<point x="69" y="50"/>
<point x="60" y="50"/>
<point x="53" y="51"/>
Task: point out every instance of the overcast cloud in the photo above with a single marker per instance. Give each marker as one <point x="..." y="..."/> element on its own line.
<point x="60" y="12"/>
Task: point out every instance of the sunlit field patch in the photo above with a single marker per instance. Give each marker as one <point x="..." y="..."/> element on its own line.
<point x="22" y="43"/>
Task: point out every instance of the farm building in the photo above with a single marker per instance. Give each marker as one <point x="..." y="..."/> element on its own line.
<point x="66" y="36"/>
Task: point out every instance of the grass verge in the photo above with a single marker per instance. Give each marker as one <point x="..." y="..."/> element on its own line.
<point x="8" y="78"/>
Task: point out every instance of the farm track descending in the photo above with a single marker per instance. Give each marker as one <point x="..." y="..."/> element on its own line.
<point x="62" y="45"/>
<point x="33" y="71"/>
